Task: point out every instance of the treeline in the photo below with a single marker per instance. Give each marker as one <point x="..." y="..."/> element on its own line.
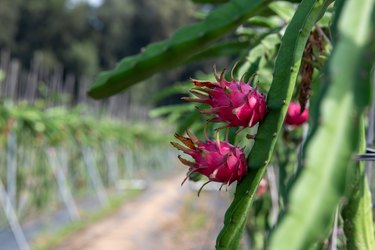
<point x="83" y="38"/>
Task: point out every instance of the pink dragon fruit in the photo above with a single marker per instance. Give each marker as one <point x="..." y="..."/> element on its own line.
<point x="262" y="188"/>
<point x="218" y="160"/>
<point x="234" y="102"/>
<point x="294" y="116"/>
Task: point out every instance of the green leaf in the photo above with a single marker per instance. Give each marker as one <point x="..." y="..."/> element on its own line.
<point x="170" y="53"/>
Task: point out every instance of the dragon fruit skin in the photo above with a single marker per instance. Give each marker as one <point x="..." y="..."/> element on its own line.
<point x="218" y="160"/>
<point x="262" y="188"/>
<point x="294" y="116"/>
<point x="234" y="102"/>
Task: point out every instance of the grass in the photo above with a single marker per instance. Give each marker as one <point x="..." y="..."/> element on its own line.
<point x="194" y="214"/>
<point x="49" y="241"/>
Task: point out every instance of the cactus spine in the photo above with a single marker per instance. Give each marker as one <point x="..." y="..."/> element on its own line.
<point x="285" y="75"/>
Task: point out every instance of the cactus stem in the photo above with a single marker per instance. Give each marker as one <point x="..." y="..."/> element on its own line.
<point x="250" y="137"/>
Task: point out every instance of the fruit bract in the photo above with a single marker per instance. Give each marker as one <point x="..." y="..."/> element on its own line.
<point x="234" y="102"/>
<point x="220" y="161"/>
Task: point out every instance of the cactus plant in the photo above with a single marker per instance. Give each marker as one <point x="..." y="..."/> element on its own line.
<point x="330" y="153"/>
<point x="286" y="71"/>
<point x="178" y="49"/>
<point x="357" y="214"/>
<point x="340" y="68"/>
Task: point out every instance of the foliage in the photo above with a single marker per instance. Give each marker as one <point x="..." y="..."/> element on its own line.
<point x="320" y="48"/>
<point x="343" y="103"/>
<point x="62" y="134"/>
<point x="176" y="50"/>
<point x="58" y="125"/>
<point x="82" y="37"/>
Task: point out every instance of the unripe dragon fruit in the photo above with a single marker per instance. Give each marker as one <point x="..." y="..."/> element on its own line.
<point x="218" y="160"/>
<point x="234" y="102"/>
<point x="294" y="116"/>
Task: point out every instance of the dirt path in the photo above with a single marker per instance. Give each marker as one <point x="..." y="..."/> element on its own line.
<point x="165" y="216"/>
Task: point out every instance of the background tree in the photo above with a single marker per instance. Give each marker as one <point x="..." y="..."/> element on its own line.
<point x="82" y="37"/>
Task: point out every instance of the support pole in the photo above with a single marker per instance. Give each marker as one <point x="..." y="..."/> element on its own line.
<point x="62" y="185"/>
<point x="94" y="176"/>
<point x="12" y="219"/>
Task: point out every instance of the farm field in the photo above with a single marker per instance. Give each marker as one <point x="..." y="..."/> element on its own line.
<point x="191" y="124"/>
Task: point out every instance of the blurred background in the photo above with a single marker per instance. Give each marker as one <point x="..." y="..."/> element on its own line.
<point x="83" y="174"/>
<point x="78" y="173"/>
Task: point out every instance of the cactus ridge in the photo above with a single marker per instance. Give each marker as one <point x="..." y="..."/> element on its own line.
<point x="285" y="75"/>
<point x="330" y="152"/>
<point x="170" y="53"/>
<point x="357" y="214"/>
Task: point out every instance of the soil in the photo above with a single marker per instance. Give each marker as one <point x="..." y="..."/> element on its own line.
<point x="164" y="216"/>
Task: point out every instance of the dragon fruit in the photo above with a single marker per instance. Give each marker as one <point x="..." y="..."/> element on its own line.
<point x="234" y="102"/>
<point x="262" y="188"/>
<point x="218" y="160"/>
<point x="294" y="116"/>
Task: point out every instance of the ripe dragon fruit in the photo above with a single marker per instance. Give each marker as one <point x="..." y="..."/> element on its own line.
<point x="294" y="116"/>
<point x="234" y="102"/>
<point x="262" y="188"/>
<point x="218" y="160"/>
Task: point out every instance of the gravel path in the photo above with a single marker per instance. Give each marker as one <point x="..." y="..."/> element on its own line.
<point x="165" y="216"/>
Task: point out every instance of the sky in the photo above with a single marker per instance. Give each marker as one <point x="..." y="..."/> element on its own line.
<point x="92" y="2"/>
<point x="95" y="2"/>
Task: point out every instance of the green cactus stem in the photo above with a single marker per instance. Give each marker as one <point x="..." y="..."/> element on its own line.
<point x="172" y="52"/>
<point x="322" y="185"/>
<point x="286" y="70"/>
<point x="357" y="213"/>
